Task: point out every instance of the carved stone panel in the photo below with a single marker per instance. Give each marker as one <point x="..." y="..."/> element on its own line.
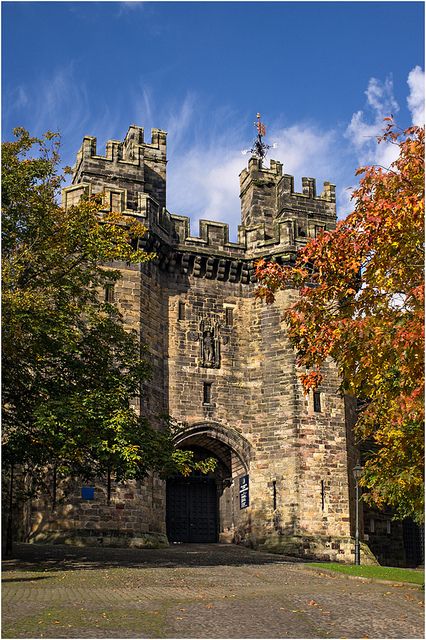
<point x="209" y="344"/>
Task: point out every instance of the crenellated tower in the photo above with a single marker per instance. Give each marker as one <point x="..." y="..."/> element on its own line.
<point x="128" y="168"/>
<point x="271" y="210"/>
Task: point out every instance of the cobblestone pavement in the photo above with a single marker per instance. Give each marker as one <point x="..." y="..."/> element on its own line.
<point x="194" y="591"/>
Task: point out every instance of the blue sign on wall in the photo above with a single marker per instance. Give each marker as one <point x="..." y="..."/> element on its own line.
<point x="244" y="492"/>
<point x="88" y="493"/>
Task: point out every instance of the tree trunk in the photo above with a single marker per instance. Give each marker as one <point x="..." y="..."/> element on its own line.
<point x="9" y="528"/>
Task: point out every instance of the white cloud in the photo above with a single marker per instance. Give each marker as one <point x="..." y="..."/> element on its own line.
<point x="380" y="96"/>
<point x="203" y="169"/>
<point x="416" y="98"/>
<point x="305" y="150"/>
<point x="364" y="128"/>
<point x="204" y="164"/>
<point x="345" y="204"/>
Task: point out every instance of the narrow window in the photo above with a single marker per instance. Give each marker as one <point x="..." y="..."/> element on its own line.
<point x="181" y="311"/>
<point x="207" y="392"/>
<point x="322" y="495"/>
<point x="317" y="402"/>
<point x="372" y="525"/>
<point x="274" y="489"/>
<point x="229" y="316"/>
<point x="109" y="293"/>
<point x="388" y="527"/>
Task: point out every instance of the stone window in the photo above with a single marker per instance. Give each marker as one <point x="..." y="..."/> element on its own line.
<point x="372" y="525"/>
<point x="317" y="402"/>
<point x="181" y="311"/>
<point x="388" y="527"/>
<point x="207" y="392"/>
<point x="319" y="228"/>
<point x="109" y="293"/>
<point x="229" y="316"/>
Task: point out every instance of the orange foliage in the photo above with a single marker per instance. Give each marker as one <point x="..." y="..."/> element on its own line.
<point x="363" y="306"/>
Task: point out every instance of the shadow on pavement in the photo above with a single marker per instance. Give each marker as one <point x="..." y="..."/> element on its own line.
<point x="33" y="557"/>
<point x="32" y="579"/>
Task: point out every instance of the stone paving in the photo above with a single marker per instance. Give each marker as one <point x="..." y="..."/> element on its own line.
<point x="194" y="591"/>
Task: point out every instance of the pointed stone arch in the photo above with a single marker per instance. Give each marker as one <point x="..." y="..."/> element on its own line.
<point x="212" y="522"/>
<point x="217" y="439"/>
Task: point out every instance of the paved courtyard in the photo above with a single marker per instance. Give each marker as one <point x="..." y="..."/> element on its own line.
<point x="194" y="591"/>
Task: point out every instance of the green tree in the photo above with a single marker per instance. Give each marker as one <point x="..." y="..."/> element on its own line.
<point x="72" y="372"/>
<point x="362" y="304"/>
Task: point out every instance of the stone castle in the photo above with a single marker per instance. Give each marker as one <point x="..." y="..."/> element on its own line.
<point x="223" y="367"/>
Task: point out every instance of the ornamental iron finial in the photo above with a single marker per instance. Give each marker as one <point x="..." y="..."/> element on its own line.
<point x="259" y="148"/>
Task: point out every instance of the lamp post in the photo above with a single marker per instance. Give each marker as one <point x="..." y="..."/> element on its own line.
<point x="357" y="471"/>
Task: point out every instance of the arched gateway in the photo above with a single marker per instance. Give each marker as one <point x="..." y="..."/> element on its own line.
<point x="205" y="508"/>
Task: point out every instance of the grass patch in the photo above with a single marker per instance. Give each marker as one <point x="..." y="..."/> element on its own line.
<point x="413" y="576"/>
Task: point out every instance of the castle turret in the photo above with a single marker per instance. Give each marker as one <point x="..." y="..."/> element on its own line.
<point x="132" y="165"/>
<point x="272" y="209"/>
<point x="258" y="193"/>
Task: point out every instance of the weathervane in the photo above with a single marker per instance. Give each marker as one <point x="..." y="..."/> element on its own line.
<point x="260" y="148"/>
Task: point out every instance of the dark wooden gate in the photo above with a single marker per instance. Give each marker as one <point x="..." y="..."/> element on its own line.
<point x="192" y="510"/>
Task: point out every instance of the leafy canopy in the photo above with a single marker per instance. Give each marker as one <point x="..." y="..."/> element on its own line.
<point x="72" y="371"/>
<point x="362" y="304"/>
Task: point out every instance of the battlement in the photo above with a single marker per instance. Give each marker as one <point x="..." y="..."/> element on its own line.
<point x="131" y="164"/>
<point x="276" y="219"/>
<point x="267" y="195"/>
<point x="262" y="176"/>
<point x="132" y="150"/>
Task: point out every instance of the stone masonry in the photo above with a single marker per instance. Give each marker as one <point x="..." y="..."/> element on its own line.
<point x="222" y="365"/>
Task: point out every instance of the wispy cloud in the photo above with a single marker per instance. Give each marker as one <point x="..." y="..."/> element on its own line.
<point x="128" y="7"/>
<point x="365" y="126"/>
<point x="416" y="98"/>
<point x="203" y="174"/>
<point x="203" y="177"/>
<point x="204" y="145"/>
<point x="60" y="102"/>
<point x="15" y="101"/>
<point x="203" y="167"/>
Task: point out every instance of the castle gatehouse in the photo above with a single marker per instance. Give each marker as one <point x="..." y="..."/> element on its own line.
<point x="223" y="367"/>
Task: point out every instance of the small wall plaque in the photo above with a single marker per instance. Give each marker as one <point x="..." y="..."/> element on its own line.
<point x="244" y="492"/>
<point x="88" y="493"/>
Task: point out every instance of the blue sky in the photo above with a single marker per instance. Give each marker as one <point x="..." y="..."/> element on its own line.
<point x="322" y="74"/>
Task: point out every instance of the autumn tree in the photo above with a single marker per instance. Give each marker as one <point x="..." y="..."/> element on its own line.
<point x="72" y="372"/>
<point x="362" y="304"/>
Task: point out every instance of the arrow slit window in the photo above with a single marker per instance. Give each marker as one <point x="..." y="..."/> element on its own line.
<point x="317" y="402"/>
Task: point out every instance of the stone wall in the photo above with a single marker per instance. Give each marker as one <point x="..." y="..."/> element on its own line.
<point x="127" y="519"/>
